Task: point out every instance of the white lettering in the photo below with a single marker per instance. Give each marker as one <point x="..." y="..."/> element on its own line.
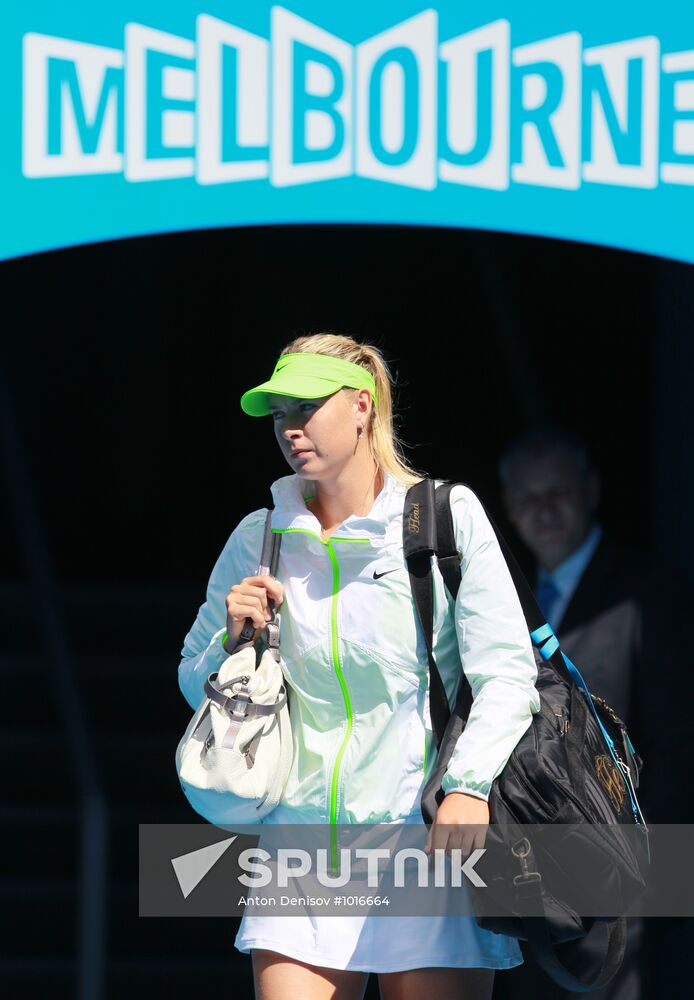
<point x="70" y="108"/>
<point x="683" y="140"/>
<point x="232" y="113"/>
<point x="397" y="80"/>
<point x="307" y="106"/>
<point x="285" y="871"/>
<point x="311" y="102"/>
<point x="262" y="873"/>
<point x="550" y="141"/>
<point x="157" y="132"/>
<point x="623" y="118"/>
<point x="466" y="108"/>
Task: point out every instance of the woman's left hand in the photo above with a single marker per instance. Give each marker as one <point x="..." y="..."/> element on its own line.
<point x="461" y="821"/>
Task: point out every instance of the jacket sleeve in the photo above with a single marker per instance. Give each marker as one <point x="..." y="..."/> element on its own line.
<point x="495" y="651"/>
<point x="202" y="651"/>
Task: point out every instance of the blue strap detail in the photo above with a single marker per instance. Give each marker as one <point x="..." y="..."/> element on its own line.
<point x="550" y="646"/>
<point x="575" y="673"/>
<point x="547" y="642"/>
<point x="543" y="632"/>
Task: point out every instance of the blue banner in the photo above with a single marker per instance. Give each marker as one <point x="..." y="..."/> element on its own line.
<point x="562" y="120"/>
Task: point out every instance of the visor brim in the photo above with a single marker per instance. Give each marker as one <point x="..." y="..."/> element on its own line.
<point x="255" y="402"/>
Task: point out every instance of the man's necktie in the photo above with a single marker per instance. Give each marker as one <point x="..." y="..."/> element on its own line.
<point x="547" y="594"/>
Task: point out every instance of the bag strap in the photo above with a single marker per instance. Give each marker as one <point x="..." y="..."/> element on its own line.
<point x="543" y="949"/>
<point x="269" y="557"/>
<point x="428" y="516"/>
<point x="447" y="554"/>
<point x="428" y="529"/>
<point x="541" y="632"/>
<point x="240" y="704"/>
<point x="271" y="548"/>
<point x="419" y="544"/>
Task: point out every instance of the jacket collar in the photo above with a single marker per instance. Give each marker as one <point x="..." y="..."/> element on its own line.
<point x="290" y="494"/>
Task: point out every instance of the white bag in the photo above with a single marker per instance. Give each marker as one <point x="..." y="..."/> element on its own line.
<point x="234" y="759"/>
<point x="235" y="756"/>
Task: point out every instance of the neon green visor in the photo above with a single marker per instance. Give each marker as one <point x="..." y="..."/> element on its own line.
<point x="307" y="376"/>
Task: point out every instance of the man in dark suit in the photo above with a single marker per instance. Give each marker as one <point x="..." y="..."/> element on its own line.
<point x="621" y="622"/>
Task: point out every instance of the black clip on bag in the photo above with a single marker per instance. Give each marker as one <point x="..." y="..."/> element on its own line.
<point x="575" y="765"/>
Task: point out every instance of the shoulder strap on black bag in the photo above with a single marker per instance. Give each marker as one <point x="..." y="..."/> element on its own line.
<point x="428" y="529"/>
<point x="419" y="545"/>
<point x="447" y="553"/>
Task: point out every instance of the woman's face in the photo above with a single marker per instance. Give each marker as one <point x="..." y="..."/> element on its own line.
<point x="319" y="436"/>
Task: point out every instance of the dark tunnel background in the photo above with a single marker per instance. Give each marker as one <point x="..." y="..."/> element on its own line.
<point x="126" y="361"/>
<point x="129" y="461"/>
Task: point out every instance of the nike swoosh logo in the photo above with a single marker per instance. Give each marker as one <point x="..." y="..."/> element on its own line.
<point x="377" y="576"/>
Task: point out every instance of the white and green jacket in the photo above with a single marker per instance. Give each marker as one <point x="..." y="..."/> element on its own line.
<point x="355" y="660"/>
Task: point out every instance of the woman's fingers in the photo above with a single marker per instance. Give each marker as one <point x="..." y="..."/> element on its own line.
<point x="266" y="584"/>
<point x="448" y="838"/>
<point x="438" y="838"/>
<point x="480" y="835"/>
<point x="461" y="822"/>
<point x="240" y="591"/>
<point x="273" y="588"/>
<point x="249" y="599"/>
<point x="242" y="606"/>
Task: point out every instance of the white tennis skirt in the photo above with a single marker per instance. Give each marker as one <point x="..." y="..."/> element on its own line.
<point x="380" y="943"/>
<point x="375" y="943"/>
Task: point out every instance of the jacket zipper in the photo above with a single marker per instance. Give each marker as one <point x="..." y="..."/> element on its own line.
<point x="337" y="666"/>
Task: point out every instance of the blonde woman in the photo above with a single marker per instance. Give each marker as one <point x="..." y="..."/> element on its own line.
<point x="356" y="671"/>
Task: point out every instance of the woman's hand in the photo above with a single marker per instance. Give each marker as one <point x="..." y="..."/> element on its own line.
<point x="248" y="599"/>
<point x="461" y="821"/>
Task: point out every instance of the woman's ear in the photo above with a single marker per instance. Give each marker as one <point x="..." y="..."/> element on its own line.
<point x="364" y="401"/>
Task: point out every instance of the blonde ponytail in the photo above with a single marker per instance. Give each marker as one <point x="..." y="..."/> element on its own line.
<point x="386" y="446"/>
